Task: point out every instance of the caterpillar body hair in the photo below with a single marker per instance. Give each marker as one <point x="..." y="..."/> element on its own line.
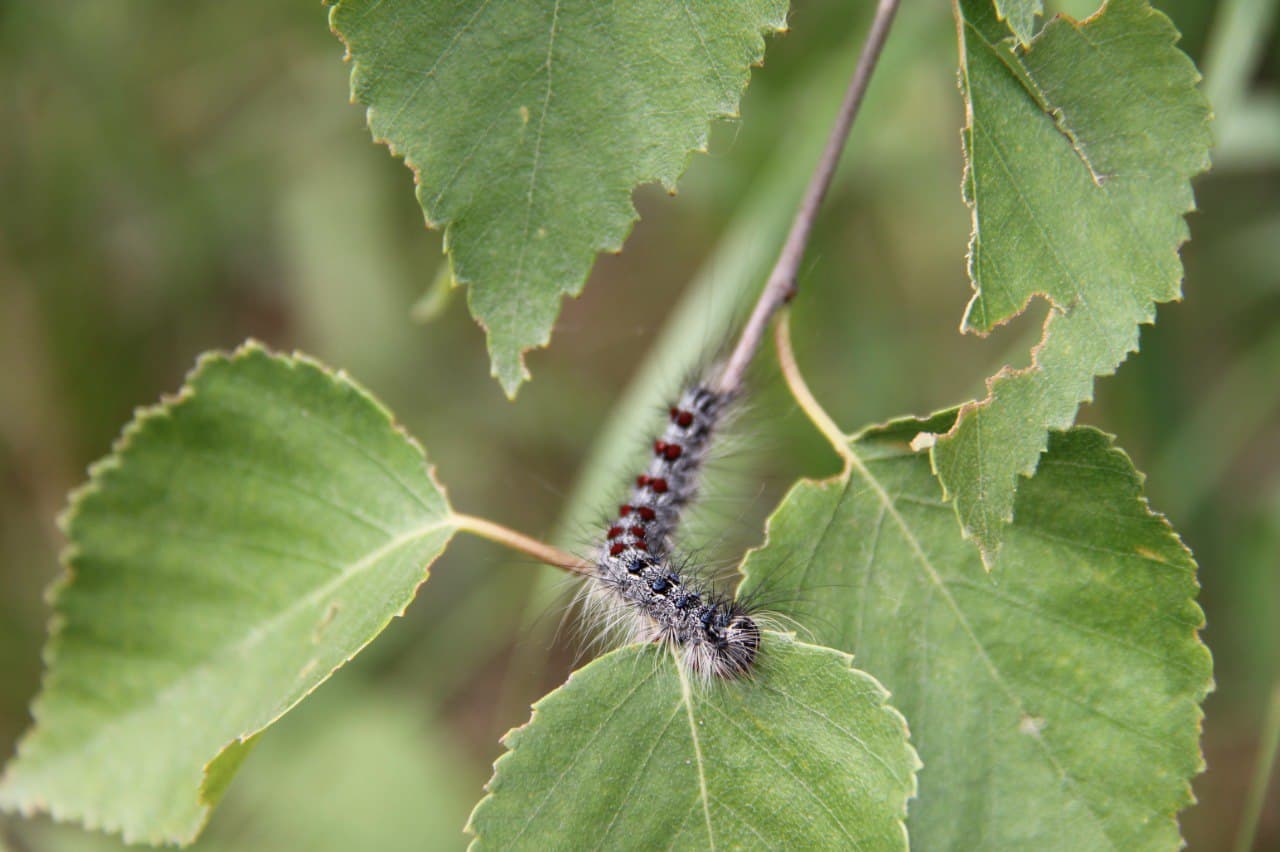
<point x="638" y="579"/>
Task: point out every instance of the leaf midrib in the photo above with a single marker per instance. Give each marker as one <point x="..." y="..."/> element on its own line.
<point x="686" y="695"/>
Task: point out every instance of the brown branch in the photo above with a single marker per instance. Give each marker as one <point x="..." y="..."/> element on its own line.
<point x="781" y="286"/>
<point x="778" y="290"/>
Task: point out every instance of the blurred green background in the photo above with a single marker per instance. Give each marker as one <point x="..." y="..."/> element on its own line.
<point x="176" y="177"/>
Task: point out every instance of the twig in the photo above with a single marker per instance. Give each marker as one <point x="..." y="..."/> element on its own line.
<point x="778" y="290"/>
<point x="521" y="542"/>
<point x="781" y="286"/>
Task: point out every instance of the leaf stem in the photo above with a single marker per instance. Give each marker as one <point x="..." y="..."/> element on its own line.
<point x="800" y="390"/>
<point x="781" y="286"/>
<point x="778" y="290"/>
<point x="507" y="537"/>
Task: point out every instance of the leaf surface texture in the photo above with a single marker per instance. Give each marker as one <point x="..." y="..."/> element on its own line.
<point x="1080" y="151"/>
<point x="1055" y="701"/>
<point x="630" y="753"/>
<point x="244" y="540"/>
<point x="528" y="125"/>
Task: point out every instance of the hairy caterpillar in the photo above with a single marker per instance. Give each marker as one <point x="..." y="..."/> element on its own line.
<point x="636" y="575"/>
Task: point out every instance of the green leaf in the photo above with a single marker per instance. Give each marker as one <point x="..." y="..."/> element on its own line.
<point x="1080" y="152"/>
<point x="244" y="540"/>
<point x="1020" y="15"/>
<point x="1054" y="701"/>
<point x="527" y="126"/>
<point x="355" y="767"/>
<point x="629" y="753"/>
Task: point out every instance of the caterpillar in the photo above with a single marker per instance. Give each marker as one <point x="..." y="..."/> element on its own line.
<point x="640" y="580"/>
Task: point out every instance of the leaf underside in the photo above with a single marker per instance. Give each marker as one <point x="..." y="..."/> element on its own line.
<point x="1055" y="700"/>
<point x="630" y="754"/>
<point x="244" y="540"/>
<point x="1080" y="150"/>
<point x="528" y="125"/>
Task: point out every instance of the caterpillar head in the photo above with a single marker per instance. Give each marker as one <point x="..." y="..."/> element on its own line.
<point x="731" y="644"/>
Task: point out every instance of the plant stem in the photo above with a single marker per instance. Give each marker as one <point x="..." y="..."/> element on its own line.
<point x="800" y="390"/>
<point x="1268" y="750"/>
<point x="781" y="286"/>
<point x="778" y="290"/>
<point x="521" y="542"/>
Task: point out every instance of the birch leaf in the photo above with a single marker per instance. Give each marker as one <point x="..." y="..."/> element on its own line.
<point x="629" y="753"/>
<point x="245" y="539"/>
<point x="528" y="125"/>
<point x="1080" y="153"/>
<point x="1055" y="701"/>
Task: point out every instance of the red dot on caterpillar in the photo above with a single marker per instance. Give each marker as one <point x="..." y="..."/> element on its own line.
<point x="716" y="635"/>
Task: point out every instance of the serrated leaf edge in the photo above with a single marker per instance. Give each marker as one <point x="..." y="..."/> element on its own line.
<point x="614" y="246"/>
<point x="869" y="433"/>
<point x="1195" y="641"/>
<point x="989" y="554"/>
<point x="508" y="739"/>
<point x="143" y="417"/>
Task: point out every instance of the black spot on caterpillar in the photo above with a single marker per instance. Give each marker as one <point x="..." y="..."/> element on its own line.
<point x="641" y="584"/>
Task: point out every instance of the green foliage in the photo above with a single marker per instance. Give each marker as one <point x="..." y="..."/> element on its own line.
<point x="630" y="753"/>
<point x="251" y="535"/>
<point x="1080" y="151"/>
<point x="244" y="540"/>
<point x="528" y="125"/>
<point x="350" y="749"/>
<point x="1055" y="700"/>
<point x="1020" y="15"/>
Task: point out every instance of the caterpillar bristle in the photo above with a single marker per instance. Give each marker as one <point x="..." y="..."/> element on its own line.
<point x="642" y="589"/>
